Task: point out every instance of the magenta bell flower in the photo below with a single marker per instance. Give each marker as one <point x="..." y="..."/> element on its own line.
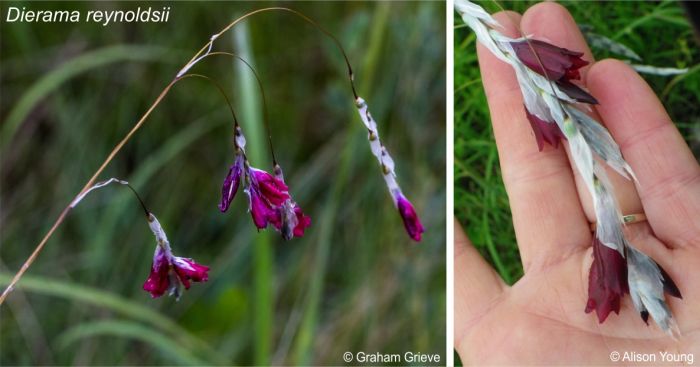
<point x="544" y="131"/>
<point x="231" y="183"/>
<point x="410" y="219"/>
<point x="266" y="193"/>
<point x="260" y="209"/>
<point x="303" y="222"/>
<point x="168" y="272"/>
<point x="271" y="188"/>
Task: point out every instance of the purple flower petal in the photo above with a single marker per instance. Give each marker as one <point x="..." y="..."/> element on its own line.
<point x="168" y="272"/>
<point x="273" y="189"/>
<point x="231" y="183"/>
<point x="157" y="282"/>
<point x="303" y="222"/>
<point x="187" y="269"/>
<point x="544" y="131"/>
<point x="410" y="218"/>
<point x="261" y="211"/>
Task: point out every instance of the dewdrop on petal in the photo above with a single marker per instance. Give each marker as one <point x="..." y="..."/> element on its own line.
<point x="412" y="223"/>
<point x="169" y="273"/>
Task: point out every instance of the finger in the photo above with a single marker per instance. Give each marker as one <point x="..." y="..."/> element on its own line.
<point x="553" y="23"/>
<point x="547" y="215"/>
<point x="668" y="173"/>
<point x="476" y="284"/>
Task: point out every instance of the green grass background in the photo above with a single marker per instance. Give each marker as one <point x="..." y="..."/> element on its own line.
<point x="657" y="31"/>
<point x="355" y="282"/>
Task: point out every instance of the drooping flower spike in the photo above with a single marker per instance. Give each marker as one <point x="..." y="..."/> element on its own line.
<point x="411" y="222"/>
<point x="553" y="108"/>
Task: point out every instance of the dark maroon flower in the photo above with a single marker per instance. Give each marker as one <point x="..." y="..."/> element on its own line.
<point x="230" y="186"/>
<point x="168" y="272"/>
<point x="607" y="281"/>
<point x="410" y="218"/>
<point x="670" y="286"/>
<point x="559" y="63"/>
<point x="544" y="131"/>
<point x="576" y="92"/>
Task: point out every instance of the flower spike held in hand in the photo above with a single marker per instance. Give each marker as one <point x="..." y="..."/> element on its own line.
<point x="553" y="106"/>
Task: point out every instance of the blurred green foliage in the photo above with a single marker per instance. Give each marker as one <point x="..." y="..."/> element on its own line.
<point x="657" y="31"/>
<point x="355" y="282"/>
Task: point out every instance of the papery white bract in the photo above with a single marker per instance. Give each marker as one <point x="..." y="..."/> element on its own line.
<point x="412" y="223"/>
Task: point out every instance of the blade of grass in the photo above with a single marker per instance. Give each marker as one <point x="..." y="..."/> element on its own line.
<point x="302" y="353"/>
<point x="249" y="102"/>
<point x="66" y="71"/>
<point x="677" y="80"/>
<point x="96" y="297"/>
<point x="170" y="350"/>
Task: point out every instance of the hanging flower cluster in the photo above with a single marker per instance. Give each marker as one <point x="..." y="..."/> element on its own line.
<point x="553" y="106"/>
<point x="269" y="200"/>
<point x="169" y="273"/>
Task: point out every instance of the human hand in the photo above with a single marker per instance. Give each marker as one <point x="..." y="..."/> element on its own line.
<point x="541" y="318"/>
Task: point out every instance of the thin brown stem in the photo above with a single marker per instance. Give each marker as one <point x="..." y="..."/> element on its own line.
<point x="305" y="18"/>
<point x="266" y="120"/>
<point x="90" y="182"/>
<point x="219" y="87"/>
